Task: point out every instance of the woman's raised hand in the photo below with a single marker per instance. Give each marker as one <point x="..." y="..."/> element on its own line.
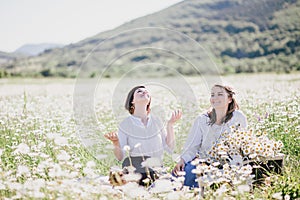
<point x="176" y="115"/>
<point x="113" y="137"/>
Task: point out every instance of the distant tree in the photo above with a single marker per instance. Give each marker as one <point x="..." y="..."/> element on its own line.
<point x="139" y="58"/>
<point x="93" y="74"/>
<point x="3" y="74"/>
<point x="59" y="65"/>
<point x="71" y="63"/>
<point x="46" y="73"/>
<point x="62" y="74"/>
<point x="47" y="50"/>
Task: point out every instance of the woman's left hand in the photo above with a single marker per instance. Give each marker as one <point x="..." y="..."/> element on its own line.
<point x="176" y="115"/>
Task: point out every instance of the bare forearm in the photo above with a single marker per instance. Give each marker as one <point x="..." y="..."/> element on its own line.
<point x="118" y="151"/>
<point x="170" y="140"/>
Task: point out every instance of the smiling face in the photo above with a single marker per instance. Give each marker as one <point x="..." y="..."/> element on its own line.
<point x="219" y="98"/>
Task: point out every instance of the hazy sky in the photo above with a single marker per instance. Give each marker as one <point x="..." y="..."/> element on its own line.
<point x="66" y="21"/>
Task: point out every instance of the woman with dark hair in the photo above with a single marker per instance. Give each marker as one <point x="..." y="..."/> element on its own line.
<point x="207" y="129"/>
<point x="142" y="134"/>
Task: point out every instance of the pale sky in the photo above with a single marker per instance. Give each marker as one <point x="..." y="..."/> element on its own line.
<point x="66" y="21"/>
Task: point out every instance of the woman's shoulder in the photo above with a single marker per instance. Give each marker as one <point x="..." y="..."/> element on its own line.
<point x="239" y="114"/>
<point x="239" y="118"/>
<point x="154" y="119"/>
<point x="125" y="121"/>
<point x="202" y="118"/>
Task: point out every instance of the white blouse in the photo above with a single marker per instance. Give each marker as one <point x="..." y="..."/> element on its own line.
<point x="143" y="140"/>
<point x="202" y="135"/>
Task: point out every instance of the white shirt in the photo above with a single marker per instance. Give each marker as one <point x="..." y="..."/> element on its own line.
<point x="202" y="135"/>
<point x="143" y="140"/>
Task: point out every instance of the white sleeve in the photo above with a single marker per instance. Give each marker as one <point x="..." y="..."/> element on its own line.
<point x="242" y="119"/>
<point x="193" y="142"/>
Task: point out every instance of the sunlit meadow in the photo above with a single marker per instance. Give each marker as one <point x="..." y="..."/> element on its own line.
<point x="42" y="156"/>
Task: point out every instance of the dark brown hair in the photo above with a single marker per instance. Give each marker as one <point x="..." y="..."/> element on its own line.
<point x="232" y="106"/>
<point x="129" y="105"/>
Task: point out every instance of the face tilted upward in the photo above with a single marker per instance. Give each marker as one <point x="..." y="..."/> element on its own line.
<point x="141" y="95"/>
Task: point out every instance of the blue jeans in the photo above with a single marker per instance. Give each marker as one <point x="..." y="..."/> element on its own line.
<point x="189" y="178"/>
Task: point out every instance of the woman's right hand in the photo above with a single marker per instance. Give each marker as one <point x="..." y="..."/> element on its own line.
<point x="176" y="115"/>
<point x="179" y="167"/>
<point x="113" y="137"/>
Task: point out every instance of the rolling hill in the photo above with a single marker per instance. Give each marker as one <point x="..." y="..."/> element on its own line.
<point x="7" y="58"/>
<point x="235" y="35"/>
<point x="36" y="49"/>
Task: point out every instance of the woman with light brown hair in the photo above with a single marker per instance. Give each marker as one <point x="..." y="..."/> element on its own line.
<point x="207" y="129"/>
<point x="142" y="133"/>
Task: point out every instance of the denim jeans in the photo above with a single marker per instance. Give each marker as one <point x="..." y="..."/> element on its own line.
<point x="190" y="178"/>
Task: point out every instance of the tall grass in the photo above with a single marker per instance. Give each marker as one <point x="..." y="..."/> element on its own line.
<point x="42" y="156"/>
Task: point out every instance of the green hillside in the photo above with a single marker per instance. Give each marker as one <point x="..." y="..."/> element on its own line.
<point x="6" y="58"/>
<point x="238" y="35"/>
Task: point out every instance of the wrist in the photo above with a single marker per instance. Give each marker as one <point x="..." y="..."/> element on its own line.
<point x="116" y="143"/>
<point x="182" y="160"/>
<point x="170" y="123"/>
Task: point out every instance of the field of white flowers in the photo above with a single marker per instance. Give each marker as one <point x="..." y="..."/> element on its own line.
<point x="42" y="155"/>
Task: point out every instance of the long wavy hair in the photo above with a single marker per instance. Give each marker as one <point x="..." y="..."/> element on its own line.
<point x="232" y="106"/>
<point x="128" y="103"/>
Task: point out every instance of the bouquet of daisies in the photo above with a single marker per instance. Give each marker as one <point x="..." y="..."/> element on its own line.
<point x="239" y="146"/>
<point x="235" y="158"/>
